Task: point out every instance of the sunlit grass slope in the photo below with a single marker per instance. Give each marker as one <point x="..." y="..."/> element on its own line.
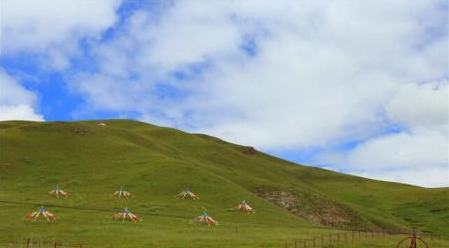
<point x="154" y="163"/>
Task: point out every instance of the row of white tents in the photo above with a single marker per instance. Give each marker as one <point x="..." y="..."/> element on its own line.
<point x="127" y="215"/>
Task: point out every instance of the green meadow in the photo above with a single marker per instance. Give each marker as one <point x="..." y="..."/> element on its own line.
<point x="292" y="201"/>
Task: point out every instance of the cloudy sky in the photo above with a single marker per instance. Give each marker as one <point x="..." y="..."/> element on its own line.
<point x="359" y="87"/>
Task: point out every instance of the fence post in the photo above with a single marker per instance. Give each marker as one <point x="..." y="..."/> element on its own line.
<point x="330" y="238"/>
<point x="28" y="242"/>
<point x="322" y="240"/>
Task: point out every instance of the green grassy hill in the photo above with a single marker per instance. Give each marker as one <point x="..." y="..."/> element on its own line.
<point x="154" y="163"/>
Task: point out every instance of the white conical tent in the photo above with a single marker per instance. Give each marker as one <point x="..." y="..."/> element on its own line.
<point x="41" y="212"/>
<point x="122" y="193"/>
<point x="57" y="191"/>
<point x="187" y="194"/>
<point x="205" y="218"/>
<point x="244" y="207"/>
<point x="126" y="215"/>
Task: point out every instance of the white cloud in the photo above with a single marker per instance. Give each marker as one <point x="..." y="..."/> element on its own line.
<point x="191" y="33"/>
<point x="47" y="33"/>
<point x="413" y="150"/>
<point x="319" y="79"/>
<point x="425" y="176"/>
<point x="16" y="102"/>
<point x="419" y="153"/>
<point x="421" y="105"/>
<point x="12" y="92"/>
<point x="52" y="28"/>
<point x="19" y="112"/>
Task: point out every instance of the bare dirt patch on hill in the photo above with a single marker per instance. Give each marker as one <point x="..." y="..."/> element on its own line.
<point x="315" y="208"/>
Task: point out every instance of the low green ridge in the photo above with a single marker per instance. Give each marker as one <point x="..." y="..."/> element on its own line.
<point x="91" y="161"/>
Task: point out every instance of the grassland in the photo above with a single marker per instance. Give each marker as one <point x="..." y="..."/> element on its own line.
<point x="155" y="163"/>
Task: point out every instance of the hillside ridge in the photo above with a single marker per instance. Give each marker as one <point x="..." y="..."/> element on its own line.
<point x="91" y="160"/>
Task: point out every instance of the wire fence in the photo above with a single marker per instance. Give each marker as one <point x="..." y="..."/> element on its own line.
<point x="341" y="238"/>
<point x="330" y="238"/>
<point x="34" y="243"/>
<point x="333" y="238"/>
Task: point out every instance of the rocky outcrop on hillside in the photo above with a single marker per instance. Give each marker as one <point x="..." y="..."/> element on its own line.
<point x="316" y="209"/>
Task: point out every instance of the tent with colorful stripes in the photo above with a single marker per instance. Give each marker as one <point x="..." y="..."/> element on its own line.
<point x="244" y="207"/>
<point x="41" y="212"/>
<point x="122" y="193"/>
<point x="187" y="194"/>
<point x="126" y="215"/>
<point x="205" y="218"/>
<point x="57" y="191"/>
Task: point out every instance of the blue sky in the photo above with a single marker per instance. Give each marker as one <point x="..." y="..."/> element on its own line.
<point x="359" y="87"/>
